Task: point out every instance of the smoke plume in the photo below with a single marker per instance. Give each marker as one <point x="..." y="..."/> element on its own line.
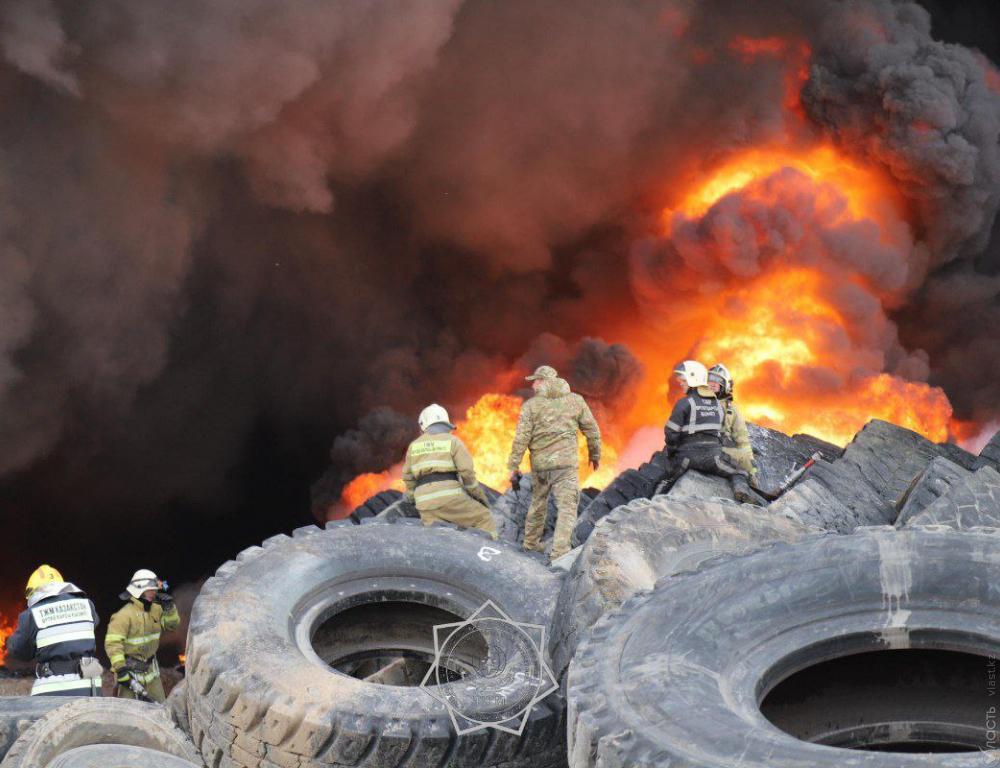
<point x="231" y="232"/>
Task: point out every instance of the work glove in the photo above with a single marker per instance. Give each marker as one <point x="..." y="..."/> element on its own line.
<point x="122" y="675"/>
<point x="595" y="463"/>
<point x="164" y="600"/>
<point x="515" y="479"/>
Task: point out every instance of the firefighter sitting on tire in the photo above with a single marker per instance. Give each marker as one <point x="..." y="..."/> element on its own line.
<point x="440" y="476"/>
<point x="735" y="436"/>
<point x="134" y="636"/>
<point x="57" y="633"/>
<point x="694" y="433"/>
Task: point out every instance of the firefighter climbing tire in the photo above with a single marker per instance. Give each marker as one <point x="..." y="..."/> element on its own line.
<point x="645" y="541"/>
<point x="267" y="629"/>
<point x="89" y="721"/>
<point x="787" y="657"/>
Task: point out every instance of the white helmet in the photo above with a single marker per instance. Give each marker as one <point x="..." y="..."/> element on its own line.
<point x="141" y="581"/>
<point x="433" y="414"/>
<point x="693" y="372"/>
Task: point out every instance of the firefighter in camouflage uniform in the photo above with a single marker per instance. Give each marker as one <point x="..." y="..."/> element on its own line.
<point x="548" y="428"/>
<point x="134" y="636"/>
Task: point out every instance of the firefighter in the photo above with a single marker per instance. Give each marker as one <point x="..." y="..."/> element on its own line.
<point x="134" y="636"/>
<point x="694" y="433"/>
<point x="57" y="633"/>
<point x="735" y="437"/>
<point x="548" y="427"/>
<point x="440" y="476"/>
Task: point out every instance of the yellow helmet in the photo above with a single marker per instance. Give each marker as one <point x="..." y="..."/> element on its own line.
<point x="44" y="574"/>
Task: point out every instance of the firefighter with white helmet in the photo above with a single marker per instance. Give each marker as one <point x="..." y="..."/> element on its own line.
<point x="134" y="636"/>
<point x="694" y="433"/>
<point x="440" y="476"/>
<point x="57" y="633"/>
<point x="735" y="437"/>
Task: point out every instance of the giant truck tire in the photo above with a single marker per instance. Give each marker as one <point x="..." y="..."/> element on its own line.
<point x="971" y="502"/>
<point x="373" y="505"/>
<point x="86" y="721"/>
<point x="308" y="651"/>
<point x="631" y="484"/>
<point x="927" y="487"/>
<point x="641" y="543"/>
<point x="17" y="713"/>
<point x="118" y="756"/>
<point x="869" y="650"/>
<point x="865" y="485"/>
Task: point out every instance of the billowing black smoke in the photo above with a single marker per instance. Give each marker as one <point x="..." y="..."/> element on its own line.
<point x="230" y="231"/>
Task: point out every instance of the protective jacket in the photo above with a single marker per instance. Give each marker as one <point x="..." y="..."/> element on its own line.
<point x="548" y="428"/>
<point x="736" y="438"/>
<point x="438" y="469"/>
<point x="134" y="637"/>
<point x="698" y="418"/>
<point x="57" y="631"/>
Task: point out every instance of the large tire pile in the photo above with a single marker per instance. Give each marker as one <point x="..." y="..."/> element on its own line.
<point x="853" y="622"/>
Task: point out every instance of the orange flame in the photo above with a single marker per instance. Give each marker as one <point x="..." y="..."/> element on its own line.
<point x="800" y="364"/>
<point x="778" y="331"/>
<point x="363" y="487"/>
<point x="488" y="432"/>
<point x="7" y="627"/>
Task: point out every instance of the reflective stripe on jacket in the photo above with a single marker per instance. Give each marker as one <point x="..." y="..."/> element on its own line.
<point x="697" y="413"/>
<point x="65" y="685"/>
<point x="134" y="632"/>
<point x="59" y="625"/>
<point x="437" y="450"/>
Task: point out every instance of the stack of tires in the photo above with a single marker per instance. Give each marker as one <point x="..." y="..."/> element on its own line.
<point x="688" y="632"/>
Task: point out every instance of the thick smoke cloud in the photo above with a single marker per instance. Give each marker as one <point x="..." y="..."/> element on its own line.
<point x="229" y="231"/>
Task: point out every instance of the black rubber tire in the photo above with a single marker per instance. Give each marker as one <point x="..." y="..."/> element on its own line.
<point x="959" y="456"/>
<point x="374" y="505"/>
<point x="118" y="756"/>
<point x="399" y="510"/>
<point x="675" y="676"/>
<point x="177" y="706"/>
<point x="631" y="484"/>
<point x="865" y="485"/>
<point x="990" y="455"/>
<point x="971" y="502"/>
<point x="257" y="689"/>
<point x="87" y="721"/>
<point x="927" y="487"/>
<point x="17" y="713"/>
<point x="695" y="486"/>
<point x="777" y="455"/>
<point x="511" y="510"/>
<point x="649" y="539"/>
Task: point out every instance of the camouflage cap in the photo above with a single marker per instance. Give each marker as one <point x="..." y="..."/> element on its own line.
<point x="542" y="372"/>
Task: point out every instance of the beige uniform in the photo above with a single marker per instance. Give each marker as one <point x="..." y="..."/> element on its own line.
<point x="441" y="481"/>
<point x="736" y="438"/>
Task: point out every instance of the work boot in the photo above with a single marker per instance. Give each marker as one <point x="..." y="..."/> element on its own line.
<point x="743" y="493"/>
